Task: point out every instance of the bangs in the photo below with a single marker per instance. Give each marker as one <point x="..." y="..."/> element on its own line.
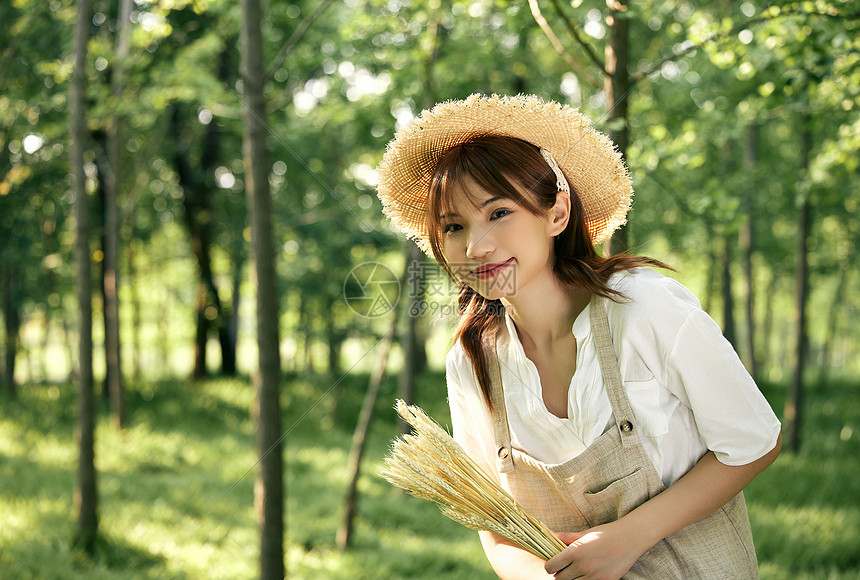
<point x="480" y="163"/>
<point x="460" y="178"/>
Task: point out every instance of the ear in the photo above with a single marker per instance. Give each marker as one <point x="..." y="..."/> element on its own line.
<point x="559" y="214"/>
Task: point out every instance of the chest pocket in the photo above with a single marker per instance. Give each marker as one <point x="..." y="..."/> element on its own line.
<point x="644" y="399"/>
<point x="611" y="502"/>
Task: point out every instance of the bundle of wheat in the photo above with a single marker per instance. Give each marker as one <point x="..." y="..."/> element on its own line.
<point x="429" y="464"/>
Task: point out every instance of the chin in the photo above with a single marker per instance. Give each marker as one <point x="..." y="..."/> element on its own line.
<point x="494" y="293"/>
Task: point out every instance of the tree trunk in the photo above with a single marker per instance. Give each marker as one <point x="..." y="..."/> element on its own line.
<point x="86" y="498"/>
<point x="306" y="324"/>
<point x="616" y="85"/>
<point x="110" y="280"/>
<point x="102" y="170"/>
<point x="414" y="293"/>
<point x="197" y="201"/>
<point x="728" y="298"/>
<point x="359" y="436"/>
<point x="414" y="339"/>
<point x="269" y="488"/>
<point x="334" y="349"/>
<point x="713" y="267"/>
<point x="334" y="338"/>
<point x="413" y="285"/>
<point x="231" y="331"/>
<point x="747" y="242"/>
<point x="201" y="335"/>
<point x="833" y="321"/>
<point x="794" y="402"/>
<point x="135" y="308"/>
<point x="767" y="324"/>
<point x="12" y="323"/>
<point x="70" y="348"/>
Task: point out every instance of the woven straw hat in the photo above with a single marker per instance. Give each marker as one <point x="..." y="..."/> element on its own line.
<point x="589" y="159"/>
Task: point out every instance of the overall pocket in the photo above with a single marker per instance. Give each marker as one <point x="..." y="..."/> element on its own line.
<point x="610" y="502"/>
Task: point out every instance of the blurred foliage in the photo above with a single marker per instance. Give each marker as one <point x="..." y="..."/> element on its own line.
<point x="344" y="76"/>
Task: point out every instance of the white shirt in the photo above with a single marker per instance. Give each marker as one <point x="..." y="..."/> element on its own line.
<point x="688" y="390"/>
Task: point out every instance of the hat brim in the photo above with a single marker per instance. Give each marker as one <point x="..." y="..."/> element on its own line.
<point x="590" y="161"/>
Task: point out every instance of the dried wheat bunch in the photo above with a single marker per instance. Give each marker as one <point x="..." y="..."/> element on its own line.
<point x="429" y="464"/>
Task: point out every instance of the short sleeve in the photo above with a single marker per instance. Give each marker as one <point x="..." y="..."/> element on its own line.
<point x="732" y="416"/>
<point x="470" y="418"/>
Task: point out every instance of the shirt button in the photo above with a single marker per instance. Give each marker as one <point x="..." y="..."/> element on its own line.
<point x="503" y="452"/>
<point x="626" y="426"/>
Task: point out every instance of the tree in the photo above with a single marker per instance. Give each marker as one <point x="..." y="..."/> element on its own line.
<point x="12" y="326"/>
<point x="198" y="192"/>
<point x="269" y="488"/>
<point x="359" y="435"/>
<point x="794" y="402"/>
<point x="34" y="129"/>
<point x="728" y="298"/>
<point x="616" y="78"/>
<point x="113" y="357"/>
<point x="616" y="86"/>
<point x="190" y="80"/>
<point x="87" y="495"/>
<point x="415" y="294"/>
<point x="747" y="243"/>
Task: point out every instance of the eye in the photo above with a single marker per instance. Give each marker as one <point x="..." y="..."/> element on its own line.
<point x="499" y="213"/>
<point x="451" y="228"/>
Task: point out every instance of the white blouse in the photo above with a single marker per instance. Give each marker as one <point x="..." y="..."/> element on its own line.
<point x="688" y="390"/>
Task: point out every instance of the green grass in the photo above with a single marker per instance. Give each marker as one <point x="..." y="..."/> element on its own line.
<point x="805" y="509"/>
<point x="176" y="489"/>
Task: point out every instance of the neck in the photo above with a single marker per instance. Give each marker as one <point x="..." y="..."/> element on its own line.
<point x="545" y="315"/>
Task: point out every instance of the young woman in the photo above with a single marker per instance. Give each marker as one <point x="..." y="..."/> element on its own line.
<point x="594" y="389"/>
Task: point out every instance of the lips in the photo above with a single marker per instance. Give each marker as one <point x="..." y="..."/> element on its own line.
<point x="490" y="270"/>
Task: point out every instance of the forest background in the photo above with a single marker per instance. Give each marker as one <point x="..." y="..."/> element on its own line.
<point x="739" y="124"/>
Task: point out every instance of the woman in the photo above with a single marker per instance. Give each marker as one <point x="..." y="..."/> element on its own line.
<point x="595" y="389"/>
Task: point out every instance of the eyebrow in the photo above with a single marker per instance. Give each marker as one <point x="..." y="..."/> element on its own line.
<point x="482" y="206"/>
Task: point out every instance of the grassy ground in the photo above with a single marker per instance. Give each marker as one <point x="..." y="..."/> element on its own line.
<point x="176" y="490"/>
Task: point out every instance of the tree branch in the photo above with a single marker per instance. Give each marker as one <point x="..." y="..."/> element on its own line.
<point x="681" y="202"/>
<point x="574" y="31"/>
<point x="297" y="35"/>
<point x="718" y="36"/>
<point x="556" y="43"/>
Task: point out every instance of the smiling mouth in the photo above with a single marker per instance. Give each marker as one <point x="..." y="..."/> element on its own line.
<point x="490" y="270"/>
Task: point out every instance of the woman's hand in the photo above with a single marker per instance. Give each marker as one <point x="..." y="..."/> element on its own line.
<point x="605" y="552"/>
<point x="608" y="551"/>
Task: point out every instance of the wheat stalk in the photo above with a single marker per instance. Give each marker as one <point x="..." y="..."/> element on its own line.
<point x="431" y="465"/>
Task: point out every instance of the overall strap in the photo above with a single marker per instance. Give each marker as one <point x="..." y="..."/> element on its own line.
<point x="621" y="410"/>
<point x="501" y="431"/>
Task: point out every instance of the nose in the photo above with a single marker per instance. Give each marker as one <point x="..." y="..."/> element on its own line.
<point x="479" y="244"/>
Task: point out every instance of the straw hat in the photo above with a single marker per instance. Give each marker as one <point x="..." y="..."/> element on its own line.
<point x="589" y="159"/>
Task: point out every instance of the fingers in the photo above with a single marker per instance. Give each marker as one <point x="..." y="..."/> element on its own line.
<point x="568" y="537"/>
<point x="563" y="559"/>
<point x="568" y="573"/>
<point x="559" y="562"/>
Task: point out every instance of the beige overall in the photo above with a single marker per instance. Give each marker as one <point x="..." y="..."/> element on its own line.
<point x="613" y="476"/>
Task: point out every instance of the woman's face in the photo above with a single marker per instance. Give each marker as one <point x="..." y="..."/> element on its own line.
<point x="497" y="246"/>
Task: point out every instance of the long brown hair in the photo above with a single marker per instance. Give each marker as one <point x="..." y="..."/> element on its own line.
<point x="495" y="163"/>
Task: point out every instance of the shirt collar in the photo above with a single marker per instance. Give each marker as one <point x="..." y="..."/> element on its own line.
<point x="514" y="346"/>
<point x="582" y="324"/>
<point x="581" y="329"/>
